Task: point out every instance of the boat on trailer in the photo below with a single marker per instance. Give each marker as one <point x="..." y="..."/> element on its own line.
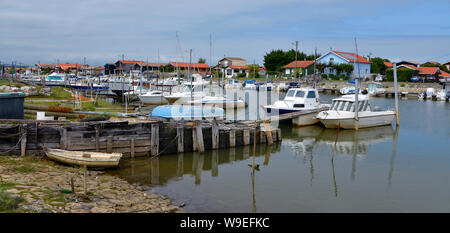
<point x="90" y="159"/>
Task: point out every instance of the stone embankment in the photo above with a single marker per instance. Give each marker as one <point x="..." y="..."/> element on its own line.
<point x="44" y="186"/>
<point x="389" y="86"/>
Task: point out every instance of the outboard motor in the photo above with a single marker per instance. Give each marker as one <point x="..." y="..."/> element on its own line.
<point x="364" y="92"/>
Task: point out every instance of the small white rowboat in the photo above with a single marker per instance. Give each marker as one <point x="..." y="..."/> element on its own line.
<point x="81" y="158"/>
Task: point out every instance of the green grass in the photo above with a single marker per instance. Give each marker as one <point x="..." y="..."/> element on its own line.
<point x="13" y="84"/>
<point x="9" y="203"/>
<point x="24" y="169"/>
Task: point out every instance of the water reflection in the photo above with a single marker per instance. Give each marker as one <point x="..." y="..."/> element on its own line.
<point x="163" y="169"/>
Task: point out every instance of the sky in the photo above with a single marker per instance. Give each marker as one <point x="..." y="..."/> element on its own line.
<point x="48" y="31"/>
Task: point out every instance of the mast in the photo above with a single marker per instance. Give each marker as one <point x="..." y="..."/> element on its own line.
<point x="314" y="72"/>
<point x="356" y="90"/>
<point x="189" y="72"/>
<point x="296" y="51"/>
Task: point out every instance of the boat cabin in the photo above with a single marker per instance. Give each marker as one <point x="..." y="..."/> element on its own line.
<point x="302" y="97"/>
<point x="347" y="103"/>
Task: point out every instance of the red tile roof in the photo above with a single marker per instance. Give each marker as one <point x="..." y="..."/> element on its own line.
<point x="408" y="66"/>
<point x="444" y="74"/>
<point x="68" y="66"/>
<point x="299" y="64"/>
<point x="238" y="67"/>
<point x="130" y="62"/>
<point x="388" y="64"/>
<point x="428" y="70"/>
<point x="351" y="57"/>
<point x="193" y="65"/>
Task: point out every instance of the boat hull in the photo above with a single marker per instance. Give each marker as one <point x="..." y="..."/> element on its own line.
<point x="365" y="121"/>
<point x="153" y="100"/>
<point x="62" y="157"/>
<point x="304" y="120"/>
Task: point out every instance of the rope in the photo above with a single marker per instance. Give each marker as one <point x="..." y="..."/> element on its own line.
<point x="165" y="147"/>
<point x="10" y="135"/>
<point x="13" y="148"/>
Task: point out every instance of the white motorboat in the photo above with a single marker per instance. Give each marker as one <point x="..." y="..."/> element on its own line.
<point x="219" y="101"/>
<point x="347" y="90"/>
<point x="233" y="84"/>
<point x="444" y="94"/>
<point x="184" y="95"/>
<point x="342" y="114"/>
<point x="427" y="94"/>
<point x="375" y="88"/>
<point x="153" y="97"/>
<point x="299" y="99"/>
<point x="55" y="79"/>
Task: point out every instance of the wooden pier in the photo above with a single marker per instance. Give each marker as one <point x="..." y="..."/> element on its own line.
<point x="151" y="138"/>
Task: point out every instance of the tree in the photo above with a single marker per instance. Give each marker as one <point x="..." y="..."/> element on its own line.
<point x="347" y="68"/>
<point x="253" y="70"/>
<point x="378" y="65"/>
<point x="276" y="59"/>
<point x="321" y="67"/>
<point x="201" y="60"/>
<point x="403" y="75"/>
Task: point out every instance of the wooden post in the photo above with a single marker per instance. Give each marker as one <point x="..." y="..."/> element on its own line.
<point x="109" y="144"/>
<point x="84" y="182"/>
<point x="180" y="135"/>
<point x="155" y="140"/>
<point x="23" y="143"/>
<point x="200" y="144"/>
<point x="194" y="139"/>
<point x="232" y="138"/>
<point x="396" y="93"/>
<point x="268" y="132"/>
<point x="279" y="138"/>
<point x="97" y="136"/>
<point x="246" y="137"/>
<point x="132" y="148"/>
<point x="215" y="136"/>
<point x="63" y="140"/>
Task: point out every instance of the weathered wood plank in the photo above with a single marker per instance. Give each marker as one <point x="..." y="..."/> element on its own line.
<point x="155" y="140"/>
<point x="215" y="136"/>
<point x="232" y="138"/>
<point x="180" y="135"/>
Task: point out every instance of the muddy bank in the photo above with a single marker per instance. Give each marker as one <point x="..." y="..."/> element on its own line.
<point x="44" y="186"/>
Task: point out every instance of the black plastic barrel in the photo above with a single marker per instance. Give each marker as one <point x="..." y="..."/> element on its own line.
<point x="11" y="105"/>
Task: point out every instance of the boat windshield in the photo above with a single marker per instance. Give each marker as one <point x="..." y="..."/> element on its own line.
<point x="290" y="93"/>
<point x="300" y="94"/>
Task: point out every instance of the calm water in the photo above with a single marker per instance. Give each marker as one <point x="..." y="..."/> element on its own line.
<point x="373" y="170"/>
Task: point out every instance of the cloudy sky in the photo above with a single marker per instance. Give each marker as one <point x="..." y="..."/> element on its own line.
<point x="102" y="30"/>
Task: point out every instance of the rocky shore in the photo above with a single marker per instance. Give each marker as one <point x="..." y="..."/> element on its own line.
<point x="41" y="186"/>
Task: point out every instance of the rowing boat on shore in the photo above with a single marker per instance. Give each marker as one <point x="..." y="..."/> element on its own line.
<point x="90" y="159"/>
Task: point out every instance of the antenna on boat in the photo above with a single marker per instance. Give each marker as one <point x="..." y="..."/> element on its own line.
<point x="396" y="94"/>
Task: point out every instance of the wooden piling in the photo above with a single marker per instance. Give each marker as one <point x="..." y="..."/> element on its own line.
<point x="268" y="133"/>
<point x="200" y="143"/>
<point x="232" y="138"/>
<point x="279" y="138"/>
<point x="97" y="136"/>
<point x="63" y="140"/>
<point x="155" y="140"/>
<point x="23" y="143"/>
<point x="215" y="136"/>
<point x="180" y="135"/>
<point x="194" y="139"/>
<point x="132" y="148"/>
<point x="109" y="144"/>
<point x="246" y="137"/>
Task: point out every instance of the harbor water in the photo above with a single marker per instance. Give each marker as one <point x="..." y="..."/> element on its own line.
<point x="383" y="169"/>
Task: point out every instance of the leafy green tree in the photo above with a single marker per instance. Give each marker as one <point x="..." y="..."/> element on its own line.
<point x="403" y="74"/>
<point x="378" y="65"/>
<point x="201" y="60"/>
<point x="253" y="70"/>
<point x="347" y="68"/>
<point x="321" y="67"/>
<point x="275" y="59"/>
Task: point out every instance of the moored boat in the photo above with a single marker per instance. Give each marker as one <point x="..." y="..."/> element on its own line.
<point x="81" y="158"/>
<point x="342" y="114"/>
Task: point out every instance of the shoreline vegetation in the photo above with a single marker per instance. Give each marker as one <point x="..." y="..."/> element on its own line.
<point x="33" y="184"/>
